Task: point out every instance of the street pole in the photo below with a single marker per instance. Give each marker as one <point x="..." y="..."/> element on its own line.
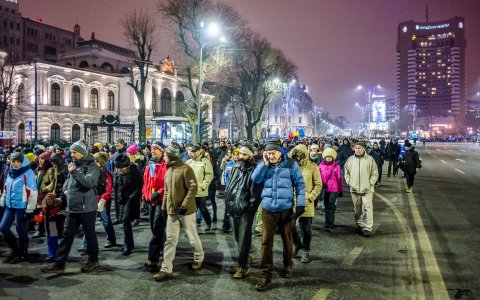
<point x="36" y="104"/>
<point x="199" y="94"/>
<point x="369" y="111"/>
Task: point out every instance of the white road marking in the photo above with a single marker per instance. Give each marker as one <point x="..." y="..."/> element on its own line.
<point x="443" y="161"/>
<point x="321" y="294"/>
<point x="460" y="160"/>
<point x="439" y="289"/>
<point x="435" y="156"/>
<point x="411" y="248"/>
<point x="462" y="150"/>
<point x="350" y="259"/>
<point x="450" y="150"/>
<point x="459" y="171"/>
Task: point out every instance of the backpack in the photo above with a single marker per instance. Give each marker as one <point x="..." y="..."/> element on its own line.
<point x="102" y="182"/>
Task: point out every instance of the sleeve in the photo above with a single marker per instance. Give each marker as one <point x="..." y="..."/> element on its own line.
<point x="108" y="188"/>
<point x="338" y="175"/>
<point x="146" y="189"/>
<point x="299" y="185"/>
<point x="317" y="184"/>
<point x="51" y="180"/>
<point x="90" y="179"/>
<point x="191" y="185"/>
<point x="159" y="179"/>
<point x="347" y="172"/>
<point x="137" y="184"/>
<point x="208" y="174"/>
<point x="373" y="172"/>
<point x="259" y="173"/>
<point x="31" y="186"/>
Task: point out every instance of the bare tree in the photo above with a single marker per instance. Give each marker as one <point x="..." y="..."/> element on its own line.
<point x="186" y="18"/>
<point x="140" y="30"/>
<point x="256" y="75"/>
<point x="10" y="86"/>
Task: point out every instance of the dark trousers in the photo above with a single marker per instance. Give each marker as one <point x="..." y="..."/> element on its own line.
<point x="157" y="226"/>
<point x="242" y="231"/>
<point x="212" y="190"/>
<point x="410" y="177"/>
<point x="379" y="167"/>
<point x="329" y="200"/>
<point x="201" y="203"/>
<point x="128" y="243"/>
<point x="392" y="162"/>
<point x="73" y="221"/>
<point x="271" y="221"/>
<point x="305" y="224"/>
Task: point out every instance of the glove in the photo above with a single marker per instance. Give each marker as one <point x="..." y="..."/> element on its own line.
<point x="298" y="212"/>
<point x="181" y="210"/>
<point x="340" y="195"/>
<point x="154" y="197"/>
<point x="100" y="205"/>
<point x="27" y="217"/>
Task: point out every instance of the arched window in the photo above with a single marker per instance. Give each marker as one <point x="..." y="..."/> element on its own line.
<point x="55" y="96"/>
<point x="83" y="64"/>
<point x="55" y="132"/>
<point x="179" y="104"/>
<point x="76" y="96"/>
<point x="166" y="102"/>
<point x="155" y="105"/>
<point x="21" y="133"/>
<point x="107" y="67"/>
<point x="75" y="133"/>
<point x="94" y="99"/>
<point x="111" y="100"/>
<point x="21" y="94"/>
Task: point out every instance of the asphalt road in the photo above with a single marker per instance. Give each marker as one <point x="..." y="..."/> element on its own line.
<point x="424" y="247"/>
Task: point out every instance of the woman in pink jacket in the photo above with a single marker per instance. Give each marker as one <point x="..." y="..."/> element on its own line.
<point x="332" y="185"/>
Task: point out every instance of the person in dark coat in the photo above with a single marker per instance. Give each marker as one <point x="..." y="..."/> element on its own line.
<point x="379" y="157"/>
<point x="392" y="153"/>
<point x="412" y="165"/>
<point x="128" y="192"/>
<point x="344" y="152"/>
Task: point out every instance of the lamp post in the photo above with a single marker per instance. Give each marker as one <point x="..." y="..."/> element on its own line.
<point x="315" y="112"/>
<point x="368" y="97"/>
<point x="33" y="61"/>
<point x="213" y="29"/>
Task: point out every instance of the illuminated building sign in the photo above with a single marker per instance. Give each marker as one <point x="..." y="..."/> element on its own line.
<point x="430" y="27"/>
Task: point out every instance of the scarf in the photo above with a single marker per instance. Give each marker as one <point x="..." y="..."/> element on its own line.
<point x="14" y="173"/>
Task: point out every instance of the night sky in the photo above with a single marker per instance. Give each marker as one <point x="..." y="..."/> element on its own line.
<point x="336" y="45"/>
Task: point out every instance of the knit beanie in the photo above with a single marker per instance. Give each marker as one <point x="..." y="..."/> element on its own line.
<point x="158" y="145"/>
<point x="93" y="149"/>
<point x="329" y="152"/>
<point x="98" y="145"/>
<point x="122" y="161"/>
<point x="30" y="156"/>
<point x="80" y="147"/>
<point x="173" y="151"/>
<point x="17" y="156"/>
<point x="246" y="151"/>
<point x="273" y="144"/>
<point x="132" y="149"/>
<point x="361" y="144"/>
<point x="101" y="158"/>
<point x="46" y="155"/>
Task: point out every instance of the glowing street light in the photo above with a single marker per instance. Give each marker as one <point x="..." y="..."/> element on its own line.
<point x="369" y="99"/>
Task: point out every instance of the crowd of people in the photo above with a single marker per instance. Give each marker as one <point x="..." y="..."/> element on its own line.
<point x="268" y="187"/>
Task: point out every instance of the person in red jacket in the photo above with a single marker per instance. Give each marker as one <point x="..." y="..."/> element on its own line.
<point x="104" y="204"/>
<point x="152" y="192"/>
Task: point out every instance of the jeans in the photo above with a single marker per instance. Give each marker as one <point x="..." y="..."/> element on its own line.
<point x="10" y="215"/>
<point x="107" y="224"/>
<point x="410" y="177"/>
<point x="52" y="242"/>
<point x="329" y="200"/>
<point x="242" y="231"/>
<point x="212" y="190"/>
<point x="202" y="206"/>
<point x="305" y="224"/>
<point x="174" y="222"/>
<point x="271" y="221"/>
<point x="157" y="226"/>
<point x="73" y="221"/>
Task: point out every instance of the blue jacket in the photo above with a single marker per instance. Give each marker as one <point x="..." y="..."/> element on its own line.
<point x="228" y="169"/>
<point x="279" y="183"/>
<point x="20" y="189"/>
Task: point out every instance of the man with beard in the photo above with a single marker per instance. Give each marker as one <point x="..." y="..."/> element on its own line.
<point x="241" y="206"/>
<point x="153" y="192"/>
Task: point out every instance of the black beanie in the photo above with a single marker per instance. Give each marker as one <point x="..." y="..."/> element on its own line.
<point x="122" y="161"/>
<point x="273" y="144"/>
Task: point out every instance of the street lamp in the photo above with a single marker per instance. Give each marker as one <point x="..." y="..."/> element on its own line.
<point x="369" y="99"/>
<point x="315" y="113"/>
<point x="213" y="30"/>
<point x="33" y="61"/>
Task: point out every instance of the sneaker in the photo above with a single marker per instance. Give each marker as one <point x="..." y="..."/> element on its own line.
<point x="151" y="264"/>
<point x="38" y="234"/>
<point x="287" y="272"/>
<point x="208" y="228"/>
<point x="126" y="252"/>
<point x="196" y="265"/>
<point x="82" y="249"/>
<point x="109" y="245"/>
<point x="160" y="276"/>
<point x="241" y="273"/>
<point x="54" y="268"/>
<point x="90" y="266"/>
<point x="305" y="257"/>
<point x="367" y="233"/>
<point x="409" y="190"/>
<point x="135" y="223"/>
<point x="262" y="285"/>
<point x="17" y="259"/>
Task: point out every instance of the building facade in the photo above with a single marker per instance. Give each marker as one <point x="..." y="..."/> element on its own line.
<point x="431" y="70"/>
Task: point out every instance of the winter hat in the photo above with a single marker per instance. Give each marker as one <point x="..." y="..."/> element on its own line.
<point x="46" y="155"/>
<point x="101" y="158"/>
<point x="122" y="161"/>
<point x="329" y="152"/>
<point x="38" y="149"/>
<point x="328" y="145"/>
<point x="133" y="149"/>
<point x="361" y="144"/>
<point x="17" y="156"/>
<point x="173" y="151"/>
<point x="273" y="144"/>
<point x="158" y="145"/>
<point x="246" y="151"/>
<point x="407" y="144"/>
<point x="93" y="149"/>
<point x="30" y="156"/>
<point x="98" y="145"/>
<point x="120" y="141"/>
<point x="80" y="147"/>
<point x="314" y="147"/>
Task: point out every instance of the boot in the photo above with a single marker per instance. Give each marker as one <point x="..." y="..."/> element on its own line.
<point x="13" y="244"/>
<point x="23" y="250"/>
